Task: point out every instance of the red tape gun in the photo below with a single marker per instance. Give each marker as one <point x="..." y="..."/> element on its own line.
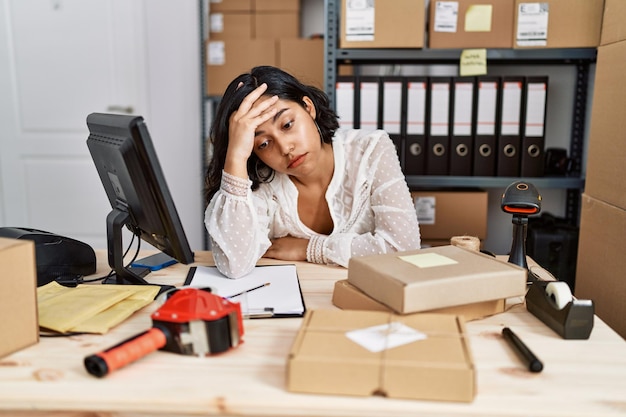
<point x="192" y="321"/>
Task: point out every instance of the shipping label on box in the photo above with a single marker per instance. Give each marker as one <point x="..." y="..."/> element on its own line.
<point x="19" y="326"/>
<point x="362" y="353"/>
<point x="442" y="276"/>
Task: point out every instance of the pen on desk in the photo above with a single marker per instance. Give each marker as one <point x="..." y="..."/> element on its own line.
<point x="529" y="358"/>
<point x="246" y="291"/>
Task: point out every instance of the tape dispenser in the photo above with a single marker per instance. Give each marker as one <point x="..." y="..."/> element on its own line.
<point x="191" y="321"/>
<point x="550" y="301"/>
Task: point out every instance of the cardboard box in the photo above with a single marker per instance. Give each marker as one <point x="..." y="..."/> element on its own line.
<point x="19" y="326"/>
<point x="397" y="24"/>
<point x="304" y="59"/>
<point x="231" y="6"/>
<point x="570" y="23"/>
<point x="348" y="297"/>
<point x="231" y="26"/>
<point x="227" y="59"/>
<point x="613" y="28"/>
<point x="476" y="24"/>
<point x="607" y="142"/>
<point x="601" y="262"/>
<point x="277" y="5"/>
<point x="324" y="360"/>
<point x="444" y="214"/>
<point x="276" y="25"/>
<point x="442" y="276"/>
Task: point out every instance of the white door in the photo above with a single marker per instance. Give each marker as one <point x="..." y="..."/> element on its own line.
<point x="59" y="61"/>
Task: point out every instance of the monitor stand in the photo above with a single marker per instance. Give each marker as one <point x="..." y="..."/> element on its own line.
<point x="116" y="220"/>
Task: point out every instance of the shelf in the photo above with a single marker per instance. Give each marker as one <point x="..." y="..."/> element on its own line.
<point x="431" y="181"/>
<point x="508" y="56"/>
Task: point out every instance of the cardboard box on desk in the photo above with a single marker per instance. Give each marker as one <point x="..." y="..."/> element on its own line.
<point x="342" y="352"/>
<point x="348" y="297"/>
<point x="19" y="325"/>
<point x="442" y="276"/>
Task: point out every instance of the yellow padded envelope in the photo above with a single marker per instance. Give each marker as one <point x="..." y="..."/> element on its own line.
<point x="90" y="308"/>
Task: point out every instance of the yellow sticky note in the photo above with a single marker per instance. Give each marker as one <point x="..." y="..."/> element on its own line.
<point x="478" y="18"/>
<point x="473" y="62"/>
<point x="428" y="260"/>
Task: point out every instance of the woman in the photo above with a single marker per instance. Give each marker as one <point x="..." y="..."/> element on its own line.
<point x="285" y="182"/>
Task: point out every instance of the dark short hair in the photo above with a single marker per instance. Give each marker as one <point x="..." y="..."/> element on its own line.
<point x="279" y="83"/>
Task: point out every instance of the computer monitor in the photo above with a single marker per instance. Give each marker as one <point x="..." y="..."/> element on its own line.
<point x="131" y="174"/>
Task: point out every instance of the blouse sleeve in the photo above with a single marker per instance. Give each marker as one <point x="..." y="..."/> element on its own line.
<point x="238" y="229"/>
<point x="395" y="220"/>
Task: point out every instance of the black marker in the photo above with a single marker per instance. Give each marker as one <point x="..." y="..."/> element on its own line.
<point x="525" y="354"/>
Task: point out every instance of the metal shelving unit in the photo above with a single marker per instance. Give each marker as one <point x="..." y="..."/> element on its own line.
<point x="581" y="58"/>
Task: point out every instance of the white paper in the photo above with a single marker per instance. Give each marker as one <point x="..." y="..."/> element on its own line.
<point x="532" y="24"/>
<point x="385" y="336"/>
<point x="281" y="296"/>
<point x="360" y="20"/>
<point x="446" y="16"/>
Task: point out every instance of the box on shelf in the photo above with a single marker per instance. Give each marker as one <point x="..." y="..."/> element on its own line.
<point x="557" y="23"/>
<point x="471" y="24"/>
<point x="261" y="6"/>
<point x="601" y="262"/>
<point x="304" y="59"/>
<point x="231" y="5"/>
<point x="276" y="25"/>
<point x="231" y="26"/>
<point x="228" y="58"/>
<point x="613" y="28"/>
<point x="348" y="297"/>
<point x="444" y="214"/>
<point x="342" y="352"/>
<point x="607" y="144"/>
<point x="442" y="276"/>
<point x="381" y="25"/>
<point x="19" y="326"/>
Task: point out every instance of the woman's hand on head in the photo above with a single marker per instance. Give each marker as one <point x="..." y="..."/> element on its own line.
<point x="254" y="110"/>
<point x="288" y="248"/>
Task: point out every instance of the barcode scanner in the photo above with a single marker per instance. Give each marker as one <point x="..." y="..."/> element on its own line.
<point x="521" y="199"/>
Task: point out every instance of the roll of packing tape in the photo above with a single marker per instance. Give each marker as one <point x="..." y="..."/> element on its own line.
<point x="559" y="294"/>
<point x="466" y="242"/>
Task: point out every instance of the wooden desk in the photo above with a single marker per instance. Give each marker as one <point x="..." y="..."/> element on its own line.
<point x="580" y="378"/>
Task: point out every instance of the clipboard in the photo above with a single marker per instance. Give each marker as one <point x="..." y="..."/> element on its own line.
<point x="269" y="291"/>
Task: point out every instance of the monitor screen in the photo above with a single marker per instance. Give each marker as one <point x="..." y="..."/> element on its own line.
<point x="131" y="174"/>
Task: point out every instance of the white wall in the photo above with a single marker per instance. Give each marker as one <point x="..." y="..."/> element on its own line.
<point x="175" y="94"/>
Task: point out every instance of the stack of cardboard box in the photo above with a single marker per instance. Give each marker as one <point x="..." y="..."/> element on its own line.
<point x="602" y="240"/>
<point x="246" y="33"/>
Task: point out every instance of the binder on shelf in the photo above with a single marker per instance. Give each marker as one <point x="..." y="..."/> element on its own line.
<point x="533" y="132"/>
<point x="391" y="111"/>
<point x="415" y="126"/>
<point x="509" y="139"/>
<point x="368" y="103"/>
<point x="485" y="123"/>
<point x="438" y="127"/>
<point x="345" y="98"/>
<point x="462" y="141"/>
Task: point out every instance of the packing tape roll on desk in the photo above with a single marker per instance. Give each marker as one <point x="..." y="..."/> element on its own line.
<point x="559" y="294"/>
<point x="466" y="242"/>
